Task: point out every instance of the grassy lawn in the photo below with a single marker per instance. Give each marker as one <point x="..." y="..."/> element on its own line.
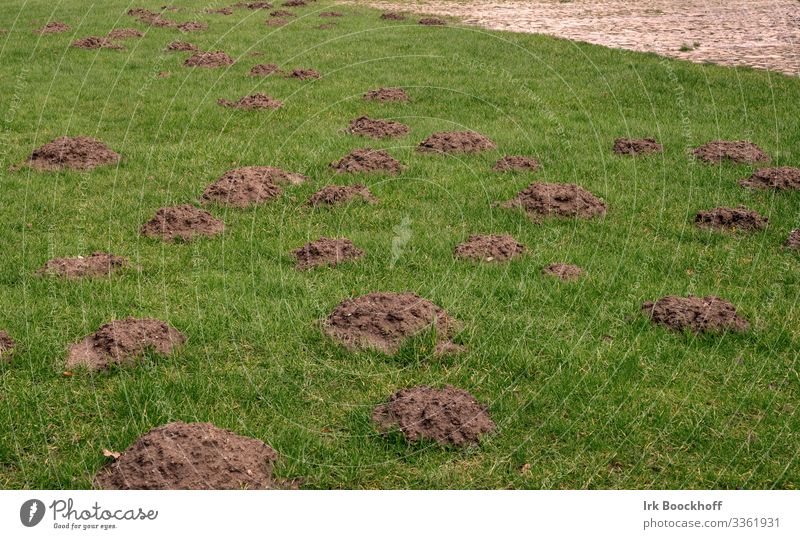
<point x="586" y="393"/>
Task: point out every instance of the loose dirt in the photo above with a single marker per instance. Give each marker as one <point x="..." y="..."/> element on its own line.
<point x="209" y="59"/>
<point x="53" y="27"/>
<point x="304" y="74"/>
<point x="386" y="95"/>
<point x="781" y="178"/>
<point x="489" y="248"/>
<point x="565" y="272"/>
<point x="793" y="241"/>
<point x="75" y="153"/>
<point x="730" y="219"/>
<point x="708" y="314"/>
<point x="257" y="101"/>
<point x="326" y="252"/>
<point x="276" y="22"/>
<point x="247" y="186"/>
<point x="219" y="11"/>
<point x="557" y="200"/>
<point x="281" y="13"/>
<point x="264" y="70"/>
<point x="7" y="346"/>
<point x="99" y="264"/>
<point x="182" y="46"/>
<point x="448" y="416"/>
<point x="431" y="21"/>
<point x="636" y="146"/>
<point x="518" y="163"/>
<point x="456" y="142"/>
<point x="94" y="42"/>
<point x="393" y="16"/>
<point x="377" y="129"/>
<point x="183" y="222"/>
<point x="367" y="160"/>
<point x="737" y="151"/>
<point x="331" y="14"/>
<point x="333" y="195"/>
<point x="124" y="33"/>
<point x="295" y="3"/>
<point x="192" y="26"/>
<point x="254" y="5"/>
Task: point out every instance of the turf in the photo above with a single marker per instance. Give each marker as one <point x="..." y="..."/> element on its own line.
<point x="585" y="392"/>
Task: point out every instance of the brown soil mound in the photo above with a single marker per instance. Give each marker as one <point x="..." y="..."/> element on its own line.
<point x="331" y="14"/>
<point x="333" y="195"/>
<point x="182" y="222"/>
<point x="53" y="27"/>
<point x="7" y="345"/>
<point x="257" y="101"/>
<point x="448" y="416"/>
<point x="385" y="95"/>
<point x="304" y="74"/>
<point x="76" y="153"/>
<point x="276" y="22"/>
<point x="124" y="33"/>
<point x="393" y="16"/>
<point x="565" y="272"/>
<point x="706" y="314"/>
<point x="281" y="13"/>
<point x="634" y="146"/>
<point x="326" y="252"/>
<point x="263" y="70"/>
<point x="139" y="11"/>
<point x="192" y="26"/>
<point x="490" y="248"/>
<point x="98" y="265"/>
<point x="182" y="46"/>
<point x="793" y="241"/>
<point x="516" y="163"/>
<point x="248" y="186"/>
<point x="191" y="456"/>
<point x="219" y="11"/>
<point x="432" y="21"/>
<point x="739" y="151"/>
<point x="383" y="320"/>
<point x="254" y="5"/>
<point x="730" y="218"/>
<point x="456" y="142"/>
<point x="295" y="3"/>
<point x="156" y="20"/>
<point x="557" y="199"/>
<point x="209" y="59"/>
<point x="366" y="160"/>
<point x="123" y="342"/>
<point x="94" y="42"/>
<point x="774" y="178"/>
<point x="377" y="129"/>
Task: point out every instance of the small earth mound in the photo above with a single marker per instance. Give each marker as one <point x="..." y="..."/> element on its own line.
<point x="53" y="27"/>
<point x="383" y="320"/>
<point x="139" y="11"/>
<point x="708" y="314"/>
<point x="123" y="342"/>
<point x="191" y="456"/>
<point x="219" y="11"/>
<point x="247" y="186"/>
<point x="448" y="416"/>
<point x="331" y="14"/>
<point x="385" y="95"/>
<point x="377" y="129"/>
<point x="367" y="160"/>
<point x="281" y="13"/>
<point x="333" y="195"/>
<point x="182" y="46"/>
<point x="276" y="22"/>
<point x="304" y="74"/>
<point x="516" y="163"/>
<point x="731" y="218"/>
<point x="99" y="264"/>
<point x="75" y="153"/>
<point x="124" y="33"/>
<point x="192" y="26"/>
<point x="456" y="142"/>
<point x="781" y="178"/>
<point x="156" y="20"/>
<point x="94" y="42"/>
<point x="565" y="272"/>
<point x="254" y="5"/>
<point x="557" y="199"/>
<point x="209" y="59"/>
<point x="739" y="151"/>
<point x="793" y="241"/>
<point x="432" y="21"/>
<point x="489" y="248"/>
<point x="7" y="346"/>
<point x="263" y="70"/>
<point x="636" y="146"/>
<point x="257" y="101"/>
<point x="183" y="222"/>
<point x="326" y="252"/>
<point x="295" y="3"/>
<point x="393" y="16"/>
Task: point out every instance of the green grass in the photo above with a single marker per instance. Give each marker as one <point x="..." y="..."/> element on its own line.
<point x="582" y="388"/>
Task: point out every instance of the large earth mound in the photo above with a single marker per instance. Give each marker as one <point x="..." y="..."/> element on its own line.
<point x="489" y="248"/>
<point x="518" y="163"/>
<point x="209" y="59"/>
<point x="385" y="95"/>
<point x="76" y="153"/>
<point x="377" y="129"/>
<point x="636" y="146"/>
<point x="183" y="222"/>
<point x="565" y="272"/>
<point x="256" y="101"/>
<point x="781" y="178"/>
<point x="326" y="252"/>
<point x="333" y="195"/>
<point x="247" y="186"/>
<point x="95" y="42"/>
<point x="366" y="160"/>
<point x="53" y="27"/>
<point x="731" y="219"/>
<point x="7" y="346"/>
<point x="737" y="151"/>
<point x="708" y="314"/>
<point x="557" y="199"/>
<point x="449" y="416"/>
<point x="456" y="142"/>
<point x="182" y="46"/>
<point x="99" y="264"/>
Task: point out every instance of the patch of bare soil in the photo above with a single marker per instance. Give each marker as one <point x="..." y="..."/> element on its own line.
<point x="303" y="74"/>
<point x="247" y="186"/>
<point x="636" y="146"/>
<point x="295" y="3"/>
<point x="490" y="248"/>
<point x="331" y="14"/>
<point x="254" y="5"/>
<point x="326" y="252"/>
<point x="75" y="153"/>
<point x="392" y="16"/>
<point x="557" y="200"/>
<point x="456" y="142"/>
<point x="139" y="11"/>
<point x="781" y="178"/>
<point x="565" y="272"/>
<point x="333" y="195"/>
<point x="516" y="163"/>
<point x="94" y="42"/>
<point x="124" y="33"/>
<point x="276" y="22"/>
<point x="281" y="14"/>
<point x="182" y="46"/>
<point x="385" y="95"/>
<point x="731" y="219"/>
<point x="219" y="11"/>
<point x="793" y="241"/>
<point x="123" y="342"/>
<point x="736" y="151"/>
<point x="7" y="346"/>
<point x="192" y="26"/>
<point x="156" y="20"/>
<point x="448" y="416"/>
<point x="53" y="27"/>
<point x="209" y="59"/>
<point x="184" y="222"/>
<point x="377" y="129"/>
<point x="191" y="456"/>
<point x="432" y="21"/>
<point x="367" y="160"/>
<point x="257" y="101"/>
<point x="383" y="320"/>
<point x="264" y="70"/>
<point x="708" y="314"/>
<point x="99" y="264"/>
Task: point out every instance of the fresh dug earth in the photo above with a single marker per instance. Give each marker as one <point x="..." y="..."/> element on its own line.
<point x="366" y="160"/>
<point x="326" y="252"/>
<point x="448" y="416"/>
<point x="183" y="222"/>
<point x="54" y="27"/>
<point x="191" y="456"/>
<point x="247" y="186"/>
<point x="333" y="195"/>
<point x="383" y="320"/>
<point x="192" y="26"/>
<point x="7" y="345"/>
<point x="295" y="3"/>
<point x="219" y="11"/>
<point x="124" y="33"/>
<point x="377" y="129"/>
<point x="432" y="21"/>
<point x="281" y="13"/>
<point x="731" y="218"/>
<point x="637" y="146"/>
<point x="276" y="22"/>
<point x="516" y="163"/>
<point x="456" y="142"/>
<point x="793" y="241"/>
<point x="557" y="200"/>
<point x="263" y="70"/>
<point x="94" y="42"/>
<point x="209" y="59"/>
<point x="123" y="342"/>
<point x="393" y="16"/>
<point x="304" y="74"/>
<point x="708" y="314"/>
<point x="99" y="264"/>
<point x="565" y="272"/>
<point x="182" y="46"/>
<point x="739" y="151"/>
<point x="490" y="248"/>
<point x="75" y="153"/>
<point x="257" y="101"/>
<point x="781" y="178"/>
<point x="385" y="95"/>
<point x="254" y="5"/>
